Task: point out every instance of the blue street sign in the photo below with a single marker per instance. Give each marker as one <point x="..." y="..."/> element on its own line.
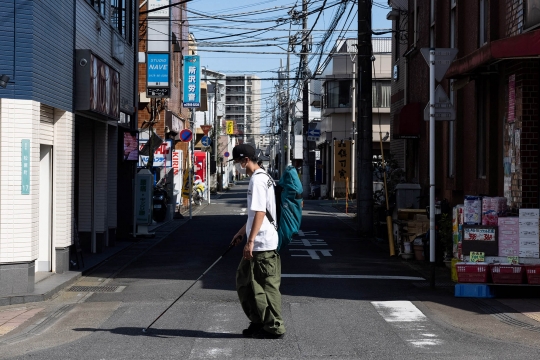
<point x="206" y="141"/>
<point x="192" y="81"/>
<point x="314" y="132"/>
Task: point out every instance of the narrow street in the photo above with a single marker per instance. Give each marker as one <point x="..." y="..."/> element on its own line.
<point x="343" y="298"/>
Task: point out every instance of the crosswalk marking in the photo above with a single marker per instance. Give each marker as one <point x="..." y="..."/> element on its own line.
<point x="409" y="322"/>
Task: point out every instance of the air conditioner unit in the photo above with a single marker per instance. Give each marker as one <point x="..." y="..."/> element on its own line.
<point x="143" y="98"/>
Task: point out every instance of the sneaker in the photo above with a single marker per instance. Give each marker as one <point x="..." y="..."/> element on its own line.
<point x="263" y="334"/>
<point x="252" y="329"/>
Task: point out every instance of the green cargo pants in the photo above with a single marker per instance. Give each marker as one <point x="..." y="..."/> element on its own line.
<point x="257" y="284"/>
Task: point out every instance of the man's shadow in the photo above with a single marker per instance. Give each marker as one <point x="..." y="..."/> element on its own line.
<point x="164" y="333"/>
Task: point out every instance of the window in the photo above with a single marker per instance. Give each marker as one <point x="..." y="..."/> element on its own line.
<point x="397" y="38"/>
<point x="481" y="128"/>
<point x="483" y="23"/>
<point x="380" y="94"/>
<point x="338" y="93"/>
<point x="98" y="5"/>
<point x="120" y="19"/>
<point x="451" y="124"/>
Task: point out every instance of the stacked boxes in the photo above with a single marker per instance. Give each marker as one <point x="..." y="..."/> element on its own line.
<point x="529" y="234"/>
<point x="418" y="226"/>
<point x="472" y="210"/>
<point x="492" y="208"/>
<point x="508" y="236"/>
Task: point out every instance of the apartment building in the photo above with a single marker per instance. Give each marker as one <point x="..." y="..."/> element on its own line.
<point x="337" y="125"/>
<point x="243" y="105"/>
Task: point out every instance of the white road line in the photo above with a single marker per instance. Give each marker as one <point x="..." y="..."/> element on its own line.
<point x="410" y="323"/>
<point x="368" y="277"/>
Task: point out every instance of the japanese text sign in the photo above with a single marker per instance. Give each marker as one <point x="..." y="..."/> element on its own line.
<point x="230" y="127"/>
<point x="477" y="256"/>
<point x="192" y="81"/>
<point x="156" y="4"/>
<point x="342" y="160"/>
<point x="479" y="234"/>
<point x="25" y="166"/>
<point x="144" y="182"/>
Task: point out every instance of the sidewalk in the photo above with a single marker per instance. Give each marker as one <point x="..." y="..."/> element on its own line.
<point x="49" y="283"/>
<point x="518" y="306"/>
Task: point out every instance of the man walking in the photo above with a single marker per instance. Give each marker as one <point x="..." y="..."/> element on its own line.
<point x="259" y="274"/>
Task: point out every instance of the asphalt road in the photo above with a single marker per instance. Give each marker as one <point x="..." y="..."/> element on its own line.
<point x="343" y="298"/>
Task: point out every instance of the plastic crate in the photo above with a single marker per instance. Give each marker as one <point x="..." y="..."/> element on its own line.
<point x="474" y="291"/>
<point x="533" y="274"/>
<point x="507" y="273"/>
<point x="472" y="272"/>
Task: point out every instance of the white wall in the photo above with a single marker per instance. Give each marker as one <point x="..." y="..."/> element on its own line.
<point x="19" y="214"/>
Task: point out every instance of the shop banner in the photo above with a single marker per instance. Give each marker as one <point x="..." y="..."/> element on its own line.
<point x="162" y="155"/>
<point x="192" y="81"/>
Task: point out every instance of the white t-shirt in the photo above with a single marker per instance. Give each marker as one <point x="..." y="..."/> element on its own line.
<point x="261" y="197"/>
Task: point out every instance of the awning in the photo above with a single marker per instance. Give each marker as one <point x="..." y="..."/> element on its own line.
<point x="408" y="122"/>
<point x="520" y="46"/>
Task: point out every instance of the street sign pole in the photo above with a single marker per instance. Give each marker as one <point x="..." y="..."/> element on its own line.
<point x="439" y="60"/>
<point x="432" y="164"/>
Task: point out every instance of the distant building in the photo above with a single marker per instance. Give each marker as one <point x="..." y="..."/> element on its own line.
<point x="337" y="111"/>
<point x="243" y="105"/>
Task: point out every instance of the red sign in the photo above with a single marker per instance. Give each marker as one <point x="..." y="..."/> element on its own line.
<point x="186" y="135"/>
<point x="176" y="162"/>
<point x="200" y="164"/>
<point x="206" y="129"/>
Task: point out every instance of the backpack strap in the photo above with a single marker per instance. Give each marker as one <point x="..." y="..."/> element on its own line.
<point x="268" y="215"/>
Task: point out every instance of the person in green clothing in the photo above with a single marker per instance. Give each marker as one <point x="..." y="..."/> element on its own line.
<point x="259" y="273"/>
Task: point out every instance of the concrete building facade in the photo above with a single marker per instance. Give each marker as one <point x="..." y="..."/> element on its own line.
<point x="337" y="111"/>
<point x="59" y="117"/>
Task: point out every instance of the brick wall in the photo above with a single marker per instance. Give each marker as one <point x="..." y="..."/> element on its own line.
<point x="528" y="85"/>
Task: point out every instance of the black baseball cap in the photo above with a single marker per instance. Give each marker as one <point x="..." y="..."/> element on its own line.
<point x="242" y="151"/>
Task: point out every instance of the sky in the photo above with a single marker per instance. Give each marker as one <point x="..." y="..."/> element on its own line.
<point x="250" y="36"/>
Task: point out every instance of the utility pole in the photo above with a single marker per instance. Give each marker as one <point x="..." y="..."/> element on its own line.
<point x="305" y="100"/>
<point x="364" y="172"/>
<point x="283" y="121"/>
<point x="288" y="113"/>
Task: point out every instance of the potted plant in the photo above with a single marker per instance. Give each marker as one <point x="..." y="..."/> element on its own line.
<point x="446" y="236"/>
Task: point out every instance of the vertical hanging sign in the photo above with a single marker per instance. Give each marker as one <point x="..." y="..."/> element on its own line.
<point x="25" y="167"/>
<point x="192" y="81"/>
<point x="342" y="160"/>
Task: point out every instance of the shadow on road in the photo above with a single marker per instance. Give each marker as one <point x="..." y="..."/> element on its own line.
<point x="163" y="333"/>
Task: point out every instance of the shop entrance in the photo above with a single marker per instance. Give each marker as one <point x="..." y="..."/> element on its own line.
<point x="44" y="260"/>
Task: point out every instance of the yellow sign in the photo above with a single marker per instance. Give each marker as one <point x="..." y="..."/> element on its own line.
<point x="477" y="256"/>
<point x="186" y="187"/>
<point x="230" y="127"/>
<point x="342" y="160"/>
